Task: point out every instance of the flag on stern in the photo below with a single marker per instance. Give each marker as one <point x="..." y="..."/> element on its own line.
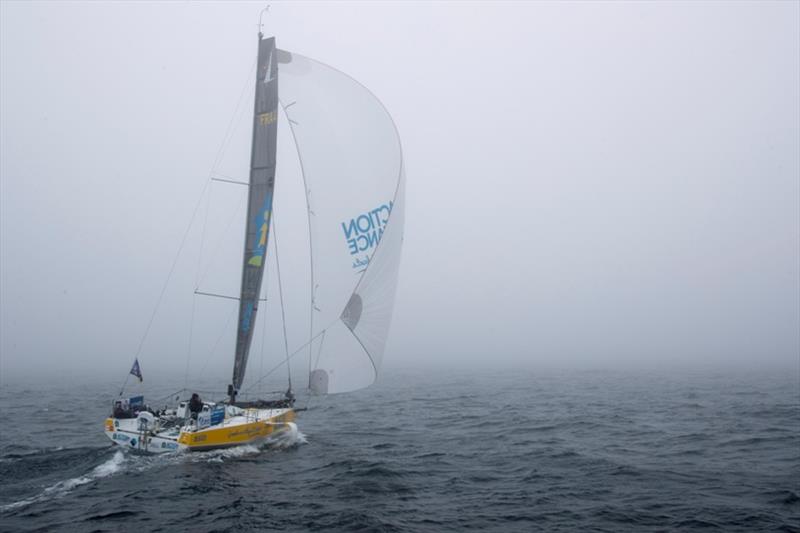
<point x="136" y="371"/>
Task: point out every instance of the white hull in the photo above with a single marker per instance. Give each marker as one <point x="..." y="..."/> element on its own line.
<point x="160" y="435"/>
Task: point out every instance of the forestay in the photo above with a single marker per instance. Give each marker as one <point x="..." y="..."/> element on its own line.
<point x="353" y="169"/>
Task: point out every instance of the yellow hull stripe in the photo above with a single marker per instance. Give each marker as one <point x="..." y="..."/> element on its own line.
<point x="232" y="435"/>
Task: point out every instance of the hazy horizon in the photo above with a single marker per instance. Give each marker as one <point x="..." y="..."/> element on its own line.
<point x="589" y="185"/>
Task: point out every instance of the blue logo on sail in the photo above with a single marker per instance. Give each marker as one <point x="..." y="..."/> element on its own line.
<point x="364" y="232"/>
<point x="262" y="230"/>
<point x="259" y="251"/>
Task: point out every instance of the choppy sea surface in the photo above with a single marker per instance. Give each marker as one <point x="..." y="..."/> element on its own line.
<point x="432" y="451"/>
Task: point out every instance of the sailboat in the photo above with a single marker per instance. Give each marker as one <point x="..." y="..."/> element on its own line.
<point x="352" y="168"/>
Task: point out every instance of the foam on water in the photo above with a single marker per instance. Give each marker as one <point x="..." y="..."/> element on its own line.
<point x="62" y="488"/>
<point x="143" y="463"/>
<point x="219" y="456"/>
<point x="282" y="441"/>
<point x="287" y="439"/>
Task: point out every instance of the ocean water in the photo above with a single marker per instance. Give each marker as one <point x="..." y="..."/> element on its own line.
<point x="432" y="451"/>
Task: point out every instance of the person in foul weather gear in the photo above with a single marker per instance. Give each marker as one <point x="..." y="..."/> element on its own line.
<point x="119" y="412"/>
<point x="195" y="405"/>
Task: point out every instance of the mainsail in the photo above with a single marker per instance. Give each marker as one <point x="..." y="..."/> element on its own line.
<point x="352" y="165"/>
<point x="259" y="210"/>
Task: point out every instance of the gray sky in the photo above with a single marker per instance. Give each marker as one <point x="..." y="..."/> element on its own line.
<point x="588" y="183"/>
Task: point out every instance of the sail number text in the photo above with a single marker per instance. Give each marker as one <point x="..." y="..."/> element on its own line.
<point x="267" y="118"/>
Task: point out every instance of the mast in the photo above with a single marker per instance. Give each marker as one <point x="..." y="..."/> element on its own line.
<point x="259" y="204"/>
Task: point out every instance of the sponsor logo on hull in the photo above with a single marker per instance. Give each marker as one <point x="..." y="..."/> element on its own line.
<point x="233" y="435"/>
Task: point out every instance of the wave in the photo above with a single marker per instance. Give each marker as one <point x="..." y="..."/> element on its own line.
<point x="219" y="456"/>
<point x="21" y="452"/>
<point x="139" y="463"/>
<point x="62" y="488"/>
<point x="287" y="439"/>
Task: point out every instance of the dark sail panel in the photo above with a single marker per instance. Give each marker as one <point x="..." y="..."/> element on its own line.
<point x="259" y="210"/>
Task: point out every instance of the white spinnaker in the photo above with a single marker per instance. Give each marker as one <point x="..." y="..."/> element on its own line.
<point x="352" y="165"/>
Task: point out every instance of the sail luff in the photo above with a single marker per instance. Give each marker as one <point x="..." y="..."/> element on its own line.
<point x="351" y="160"/>
<point x="259" y="202"/>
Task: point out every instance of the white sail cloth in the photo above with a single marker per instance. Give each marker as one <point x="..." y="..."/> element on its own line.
<point x="353" y="169"/>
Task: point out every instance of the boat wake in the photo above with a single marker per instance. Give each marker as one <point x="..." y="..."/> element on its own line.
<point x="62" y="488"/>
<point x="219" y="456"/>
<point x="123" y="459"/>
<point x="287" y="439"/>
<point x="282" y="441"/>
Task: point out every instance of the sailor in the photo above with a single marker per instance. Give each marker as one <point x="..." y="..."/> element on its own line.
<point x="195" y="405"/>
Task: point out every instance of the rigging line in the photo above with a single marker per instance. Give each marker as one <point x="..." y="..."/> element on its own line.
<point x="172" y="268"/>
<point x="267" y="392"/>
<point x="297" y="351"/>
<point x="309" y="398"/>
<point x="259" y="396"/>
<point x="189" y="347"/>
<point x="215" y="253"/>
<point x="232" y="179"/>
<point x="194" y="295"/>
<point x="223" y="296"/>
<point x="319" y="354"/>
<point x="228" y="135"/>
<point x="235" y="182"/>
<point x="219" y="338"/>
<point x="220" y="152"/>
<point x="169" y="396"/>
<point x="228" y="129"/>
<point x="265" y="288"/>
<point x="264" y="322"/>
<point x="280" y="294"/>
<point x="307" y="193"/>
<point x="122" y="389"/>
<point x="240" y="112"/>
<point x="204" y="391"/>
<point x="203" y="239"/>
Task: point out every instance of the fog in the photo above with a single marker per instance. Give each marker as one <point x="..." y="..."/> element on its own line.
<point x="588" y="184"/>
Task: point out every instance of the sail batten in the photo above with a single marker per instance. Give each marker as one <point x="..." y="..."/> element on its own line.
<point x="259" y="202"/>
